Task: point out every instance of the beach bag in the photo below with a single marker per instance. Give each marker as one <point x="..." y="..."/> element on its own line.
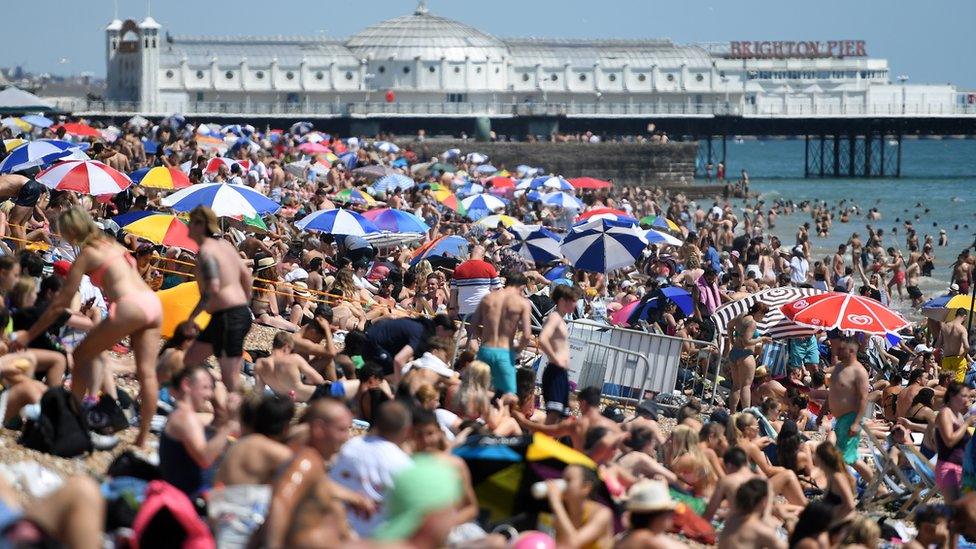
<point x="167" y="519"/>
<point x="106" y="417"/>
<point x="61" y="428"/>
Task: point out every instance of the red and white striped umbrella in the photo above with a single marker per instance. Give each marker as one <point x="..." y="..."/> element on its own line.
<point x="214" y="165"/>
<point x="85" y="176"/>
<point x="848" y="312"/>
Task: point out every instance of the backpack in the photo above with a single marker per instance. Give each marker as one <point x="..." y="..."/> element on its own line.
<point x="168" y="519"/>
<point x="61" y="429"/>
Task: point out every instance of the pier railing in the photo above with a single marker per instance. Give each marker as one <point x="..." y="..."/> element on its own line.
<point x="500" y="109"/>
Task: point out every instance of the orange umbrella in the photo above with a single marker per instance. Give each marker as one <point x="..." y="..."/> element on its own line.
<point x="178" y="302"/>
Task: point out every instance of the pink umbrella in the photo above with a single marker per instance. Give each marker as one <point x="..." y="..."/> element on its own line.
<point x="85" y="176"/>
<point x="314" y="148"/>
<point x="848" y="312"/>
<point x="620" y="317"/>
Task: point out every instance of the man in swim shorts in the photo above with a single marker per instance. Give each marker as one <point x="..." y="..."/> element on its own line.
<point x="499" y="316"/>
<point x="225" y="291"/>
<point x="955" y="345"/>
<point x="847" y="400"/>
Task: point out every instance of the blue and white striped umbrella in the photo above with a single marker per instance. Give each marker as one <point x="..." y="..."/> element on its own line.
<point x="525" y="184"/>
<point x="349" y="159"/>
<point x="337" y="221"/>
<point x="485" y="169"/>
<point x="386" y="146"/>
<point x="660" y="237"/>
<point x="35" y="153"/>
<point x="225" y="199"/>
<point x="603" y="245"/>
<point x="537" y="244"/>
<point x="470" y="189"/>
<point x="552" y="182"/>
<point x="562" y="200"/>
<point x="301" y="128"/>
<point x="477" y="158"/>
<point x="38" y="121"/>
<point x="481" y="205"/>
<point x="393" y="181"/>
<point x="232" y="128"/>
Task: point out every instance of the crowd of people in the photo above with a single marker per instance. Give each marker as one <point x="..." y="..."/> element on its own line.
<point x="387" y="361"/>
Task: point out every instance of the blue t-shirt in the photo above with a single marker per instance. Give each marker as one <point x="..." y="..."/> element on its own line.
<point x="711" y="255"/>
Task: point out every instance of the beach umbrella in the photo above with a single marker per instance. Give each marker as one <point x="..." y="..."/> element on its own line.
<point x="17" y="125"/>
<point x="476" y="158"/>
<point x="38" y="121"/>
<point x="78" y="129"/>
<point x="481" y="205"/>
<point x="232" y="128"/>
<point x="537" y="244"/>
<point x="469" y="189"/>
<point x="602" y="245"/>
<point x="34" y="153"/>
<point x="138" y="121"/>
<point x="492" y="221"/>
<point x="373" y="171"/>
<point x="11" y="144"/>
<point x="939" y="308"/>
<point x="606" y="213"/>
<point x="451" y="153"/>
<point x="225" y="199"/>
<point x="131" y="217"/>
<point x="442" y="167"/>
<point x="393" y="181"/>
<point x="485" y="169"/>
<point x="554" y="183"/>
<point x="562" y="200"/>
<point x="354" y="196"/>
<point x="842" y="311"/>
<point x="386" y="146"/>
<point x="213" y="166"/>
<point x="448" y="199"/>
<point x="178" y="302"/>
<point x="503" y="471"/>
<point x="174" y="121"/>
<point x="301" y="128"/>
<point x="161" y="177"/>
<point x="451" y="247"/>
<point x="396" y="221"/>
<point x="167" y="230"/>
<point x="589" y="183"/>
<point x="314" y="148"/>
<point x="659" y="222"/>
<point x="149" y="146"/>
<point x="85" y="176"/>
<point x="501" y="183"/>
<point x="337" y="221"/>
<point x="774" y="324"/>
<point x="660" y="237"/>
<point x="208" y="143"/>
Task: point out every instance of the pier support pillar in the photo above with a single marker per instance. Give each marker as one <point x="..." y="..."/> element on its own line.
<point x="836" y="155"/>
<point x="806" y="156"/>
<point x="851" y="154"/>
<point x="898" y="164"/>
<point x="822" y="139"/>
<point x="868" y="143"/>
<point x="883" y="143"/>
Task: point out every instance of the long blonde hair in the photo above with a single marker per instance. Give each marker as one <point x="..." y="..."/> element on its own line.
<point x="78" y="227"/>
<point x="472" y="398"/>
<point x="737" y="424"/>
<point x="684" y="441"/>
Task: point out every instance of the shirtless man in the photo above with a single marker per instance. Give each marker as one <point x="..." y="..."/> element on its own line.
<point x="962" y="272"/>
<point x="735" y="462"/>
<point x="431" y="368"/>
<point x="498" y="317"/>
<point x="747" y="525"/>
<point x="574" y="427"/>
<point x="847" y="400"/>
<point x="837" y="264"/>
<point x="287" y="374"/>
<point x="554" y="343"/>
<point x="306" y="506"/>
<point x="955" y="345"/>
<point x="225" y="292"/>
<point x="914" y="273"/>
<point x="25" y="194"/>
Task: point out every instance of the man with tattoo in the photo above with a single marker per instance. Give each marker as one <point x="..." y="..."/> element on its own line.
<point x="225" y="291"/>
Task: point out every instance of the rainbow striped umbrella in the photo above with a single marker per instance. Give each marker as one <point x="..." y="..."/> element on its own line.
<point x="161" y="177"/>
<point x="354" y="196"/>
<point x="85" y="176"/>
<point x="449" y="200"/>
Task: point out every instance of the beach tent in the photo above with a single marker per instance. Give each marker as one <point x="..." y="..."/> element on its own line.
<point x="14" y="99"/>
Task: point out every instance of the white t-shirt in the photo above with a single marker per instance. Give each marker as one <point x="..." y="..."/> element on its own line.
<point x="367" y="465"/>
<point x="798" y="270"/>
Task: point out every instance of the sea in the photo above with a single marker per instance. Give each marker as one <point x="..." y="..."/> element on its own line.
<point x="937" y="190"/>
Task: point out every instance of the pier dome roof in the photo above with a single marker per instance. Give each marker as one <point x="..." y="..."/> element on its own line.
<point x="426" y="36"/>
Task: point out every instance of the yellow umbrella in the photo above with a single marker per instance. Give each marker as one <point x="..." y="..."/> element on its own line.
<point x="492" y="221"/>
<point x="178" y="302"/>
<point x="17" y="123"/>
<point x="11" y="144"/>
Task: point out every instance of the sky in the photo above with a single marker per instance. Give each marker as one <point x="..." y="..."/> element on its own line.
<point x="930" y="41"/>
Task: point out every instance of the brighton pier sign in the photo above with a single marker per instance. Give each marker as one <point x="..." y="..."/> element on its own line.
<point x="810" y="49"/>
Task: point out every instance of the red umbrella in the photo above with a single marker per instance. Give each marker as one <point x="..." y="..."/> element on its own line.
<point x="590" y="183"/>
<point x="599" y="213"/>
<point x="849" y="312"/>
<point x="216" y="162"/>
<point x="76" y="128"/>
<point x="501" y="182"/>
<point x="314" y="148"/>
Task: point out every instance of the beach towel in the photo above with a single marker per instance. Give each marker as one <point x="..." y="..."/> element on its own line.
<point x="773" y="357"/>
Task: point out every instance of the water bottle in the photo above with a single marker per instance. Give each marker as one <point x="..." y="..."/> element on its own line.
<point x="541" y="489"/>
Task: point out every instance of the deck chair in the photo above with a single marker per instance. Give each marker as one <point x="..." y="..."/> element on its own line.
<point x="887" y="473"/>
<point x="925" y="489"/>
<point x="766" y="429"/>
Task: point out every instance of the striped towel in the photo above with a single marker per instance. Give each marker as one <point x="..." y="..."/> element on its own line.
<point x="773" y="356"/>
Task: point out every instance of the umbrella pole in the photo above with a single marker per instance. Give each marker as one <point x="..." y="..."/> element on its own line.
<point x="972" y="296"/>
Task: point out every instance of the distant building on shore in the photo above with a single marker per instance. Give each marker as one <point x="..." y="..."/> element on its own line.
<point x="425" y="64"/>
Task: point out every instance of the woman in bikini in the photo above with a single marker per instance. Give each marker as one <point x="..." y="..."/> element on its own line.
<point x="745" y="340"/>
<point x="135" y="311"/>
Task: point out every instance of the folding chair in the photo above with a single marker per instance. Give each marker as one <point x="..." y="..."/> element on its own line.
<point x="886" y="472"/>
<point x="925" y="489"/>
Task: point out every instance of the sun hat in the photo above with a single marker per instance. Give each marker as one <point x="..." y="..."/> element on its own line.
<point x="265" y="263"/>
<point x="428" y="485"/>
<point x="649" y="496"/>
<point x="300" y="289"/>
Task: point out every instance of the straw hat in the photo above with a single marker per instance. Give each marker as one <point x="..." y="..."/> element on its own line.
<point x="265" y="263"/>
<point x="300" y="289"/>
<point x="649" y="496"/>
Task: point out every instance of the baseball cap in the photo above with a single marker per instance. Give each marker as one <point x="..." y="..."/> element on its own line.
<point x="428" y="485"/>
